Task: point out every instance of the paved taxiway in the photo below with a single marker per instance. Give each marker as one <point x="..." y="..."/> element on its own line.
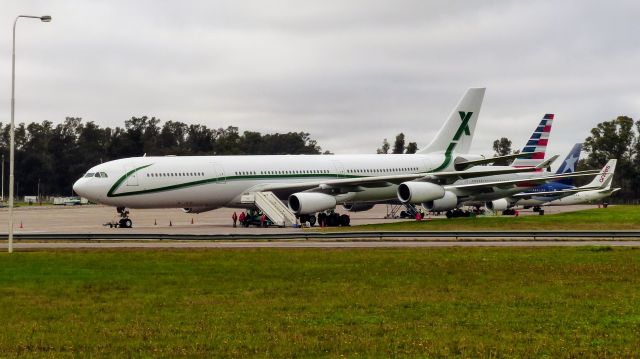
<point x="313" y="244"/>
<point x="89" y="219"/>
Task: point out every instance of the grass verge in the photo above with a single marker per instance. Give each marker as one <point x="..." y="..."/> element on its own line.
<point x="612" y="218"/>
<point x="469" y="302"/>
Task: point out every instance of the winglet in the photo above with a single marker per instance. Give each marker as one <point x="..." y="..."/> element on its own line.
<point x="547" y="163"/>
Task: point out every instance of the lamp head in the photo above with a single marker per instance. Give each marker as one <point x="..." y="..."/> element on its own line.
<point x="45" y="18"/>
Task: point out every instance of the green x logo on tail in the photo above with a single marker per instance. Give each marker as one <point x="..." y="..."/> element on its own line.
<point x="464" y="126"/>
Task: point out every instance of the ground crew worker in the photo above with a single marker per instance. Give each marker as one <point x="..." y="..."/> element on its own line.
<point x="418" y="216"/>
<point x="263" y="220"/>
<point x="242" y="217"/>
<point x="234" y="216"/>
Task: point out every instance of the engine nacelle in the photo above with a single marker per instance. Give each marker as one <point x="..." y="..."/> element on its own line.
<point x="419" y="192"/>
<point x="448" y="202"/>
<point x="311" y="202"/>
<point x="198" y="209"/>
<point x="497" y="205"/>
<point x="358" y="207"/>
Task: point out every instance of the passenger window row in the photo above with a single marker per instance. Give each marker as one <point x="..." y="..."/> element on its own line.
<point x="176" y="174"/>
<point x="287" y="172"/>
<point x="379" y="170"/>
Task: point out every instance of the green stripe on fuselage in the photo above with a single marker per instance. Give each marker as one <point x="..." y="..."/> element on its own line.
<point x="447" y="157"/>
<point x="219" y="179"/>
<point x="124" y="178"/>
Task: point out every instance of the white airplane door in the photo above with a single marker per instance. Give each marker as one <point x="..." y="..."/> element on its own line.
<point x="339" y="168"/>
<point x="132" y="179"/>
<point x="219" y="173"/>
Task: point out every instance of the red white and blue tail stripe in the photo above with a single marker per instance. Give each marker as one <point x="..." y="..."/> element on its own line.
<point x="537" y="144"/>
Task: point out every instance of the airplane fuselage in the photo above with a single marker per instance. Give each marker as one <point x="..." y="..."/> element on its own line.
<point x="219" y="181"/>
<point x="582" y="197"/>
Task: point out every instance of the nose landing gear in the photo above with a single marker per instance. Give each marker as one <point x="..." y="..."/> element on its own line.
<point x="123" y="222"/>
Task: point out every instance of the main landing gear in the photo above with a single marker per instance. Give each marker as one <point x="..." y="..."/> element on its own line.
<point x="326" y="219"/>
<point x="123" y="222"/>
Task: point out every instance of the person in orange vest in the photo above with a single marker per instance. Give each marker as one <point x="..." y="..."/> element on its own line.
<point x="263" y="220"/>
<point x="418" y="216"/>
<point x="242" y="217"/>
<point x="234" y="216"/>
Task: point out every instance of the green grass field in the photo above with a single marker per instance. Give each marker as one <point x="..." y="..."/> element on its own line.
<point x="466" y="302"/>
<point x="612" y="218"/>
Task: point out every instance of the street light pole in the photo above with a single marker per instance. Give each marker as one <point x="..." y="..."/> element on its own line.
<point x="45" y="18"/>
<point x="2" y="177"/>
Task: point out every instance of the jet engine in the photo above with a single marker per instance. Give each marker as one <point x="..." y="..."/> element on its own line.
<point x="358" y="207"/>
<point x="448" y="202"/>
<point x="419" y="192"/>
<point x="198" y="209"/>
<point x="311" y="202"/>
<point x="497" y="205"/>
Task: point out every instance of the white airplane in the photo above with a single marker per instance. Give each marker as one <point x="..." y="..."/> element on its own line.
<point x="599" y="188"/>
<point x="310" y="183"/>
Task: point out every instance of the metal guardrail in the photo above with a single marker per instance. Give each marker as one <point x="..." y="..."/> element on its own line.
<point x="404" y="235"/>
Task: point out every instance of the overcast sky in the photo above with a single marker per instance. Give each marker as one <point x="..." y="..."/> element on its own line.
<point x="348" y="72"/>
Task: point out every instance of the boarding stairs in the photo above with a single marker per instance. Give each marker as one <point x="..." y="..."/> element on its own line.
<point x="393" y="210"/>
<point x="273" y="207"/>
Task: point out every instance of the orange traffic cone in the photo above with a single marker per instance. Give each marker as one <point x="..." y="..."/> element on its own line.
<point x="21" y="226"/>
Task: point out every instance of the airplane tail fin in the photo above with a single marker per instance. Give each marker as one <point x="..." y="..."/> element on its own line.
<point x="605" y="177"/>
<point x="457" y="132"/>
<point x="537" y="143"/>
<point x="569" y="164"/>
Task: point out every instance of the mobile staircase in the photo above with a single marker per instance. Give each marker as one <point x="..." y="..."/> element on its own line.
<point x="403" y="210"/>
<point x="273" y="207"/>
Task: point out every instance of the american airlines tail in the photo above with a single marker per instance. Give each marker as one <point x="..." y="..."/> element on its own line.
<point x="569" y="164"/>
<point x="604" y="179"/>
<point x="537" y="143"/>
<point x="457" y="132"/>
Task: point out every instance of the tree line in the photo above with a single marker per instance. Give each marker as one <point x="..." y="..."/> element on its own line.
<point x="49" y="157"/>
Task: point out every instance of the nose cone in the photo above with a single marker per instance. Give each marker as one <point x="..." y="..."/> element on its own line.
<point x="80" y="187"/>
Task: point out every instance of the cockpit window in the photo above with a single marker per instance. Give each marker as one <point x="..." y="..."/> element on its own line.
<point x="101" y="174"/>
<point x="90" y="174"/>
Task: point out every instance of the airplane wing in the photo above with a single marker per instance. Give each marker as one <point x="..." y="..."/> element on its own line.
<point x="358" y="184"/>
<point x="508" y="183"/>
<point x="481" y="172"/>
<point x="467" y="164"/>
<point x="562" y="192"/>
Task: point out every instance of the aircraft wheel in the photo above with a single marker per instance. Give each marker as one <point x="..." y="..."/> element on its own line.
<point x="312" y="220"/>
<point x="126" y="223"/>
<point x="345" y="220"/>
